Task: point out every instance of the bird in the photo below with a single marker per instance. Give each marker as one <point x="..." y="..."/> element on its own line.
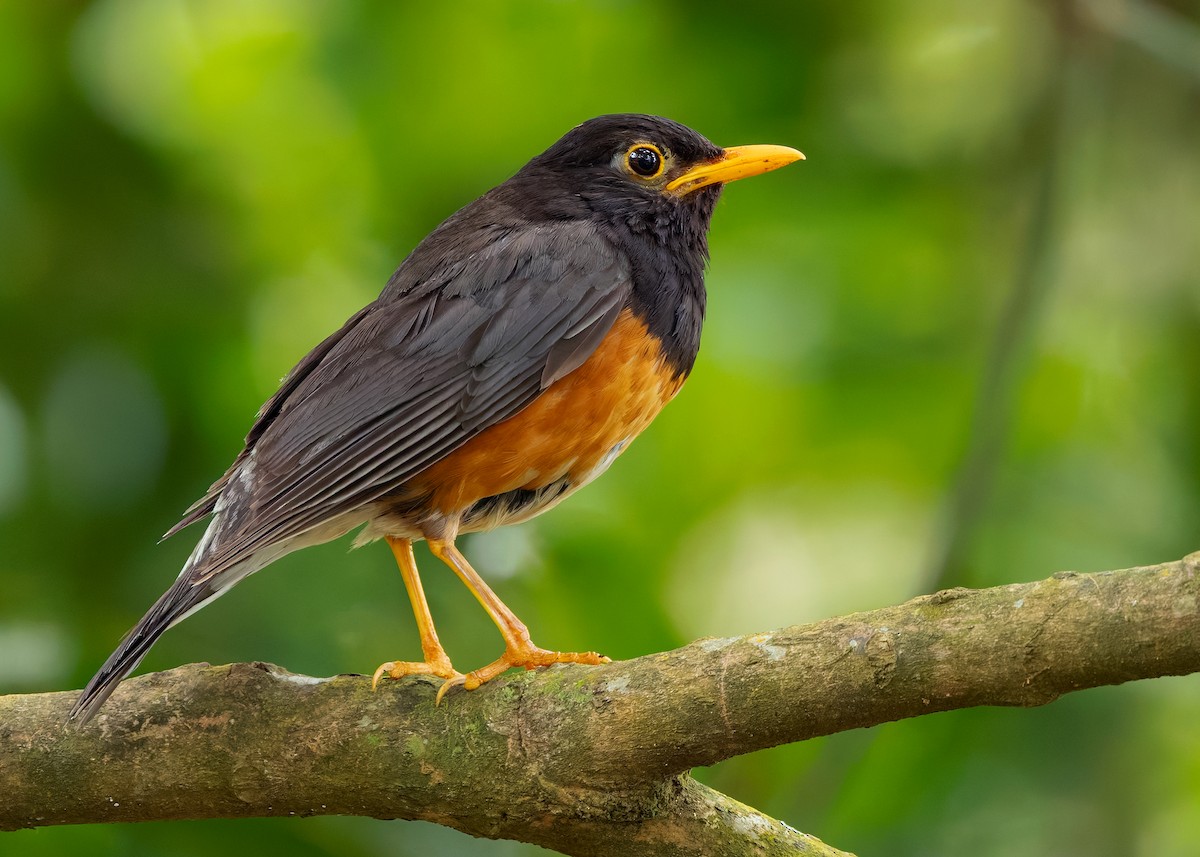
<point x="511" y="357"/>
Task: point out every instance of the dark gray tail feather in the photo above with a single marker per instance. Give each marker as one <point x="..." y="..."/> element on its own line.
<point x="182" y="597"/>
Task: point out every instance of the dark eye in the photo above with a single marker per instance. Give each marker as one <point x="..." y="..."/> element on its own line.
<point x="645" y="160"/>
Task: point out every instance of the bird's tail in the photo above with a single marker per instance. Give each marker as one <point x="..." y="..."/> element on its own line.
<point x="182" y="598"/>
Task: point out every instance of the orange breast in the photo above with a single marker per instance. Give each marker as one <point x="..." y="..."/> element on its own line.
<point x="571" y="429"/>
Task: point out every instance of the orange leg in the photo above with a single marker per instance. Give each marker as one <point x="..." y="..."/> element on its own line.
<point x="519" y="650"/>
<point x="436" y="661"/>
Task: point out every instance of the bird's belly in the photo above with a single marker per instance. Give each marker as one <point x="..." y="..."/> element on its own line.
<point x="565" y="438"/>
<point x="521" y="504"/>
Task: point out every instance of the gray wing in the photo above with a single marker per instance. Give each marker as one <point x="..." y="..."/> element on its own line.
<point x="412" y="377"/>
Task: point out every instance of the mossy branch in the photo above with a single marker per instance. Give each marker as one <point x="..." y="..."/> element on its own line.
<point x="584" y="760"/>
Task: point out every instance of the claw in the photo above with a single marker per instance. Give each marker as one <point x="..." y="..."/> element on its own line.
<point x="446" y="685"/>
<point x="385" y="667"/>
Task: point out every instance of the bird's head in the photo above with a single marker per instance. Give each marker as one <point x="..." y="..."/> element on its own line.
<point x="644" y="171"/>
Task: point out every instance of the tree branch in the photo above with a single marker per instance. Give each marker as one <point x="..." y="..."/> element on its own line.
<point x="585" y="760"/>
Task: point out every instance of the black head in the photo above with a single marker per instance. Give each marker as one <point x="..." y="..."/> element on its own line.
<point x="650" y="175"/>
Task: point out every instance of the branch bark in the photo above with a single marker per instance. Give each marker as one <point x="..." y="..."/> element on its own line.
<point x="585" y="760"/>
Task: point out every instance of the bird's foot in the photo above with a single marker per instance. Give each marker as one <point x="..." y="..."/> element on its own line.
<point x="440" y="667"/>
<point x="528" y="656"/>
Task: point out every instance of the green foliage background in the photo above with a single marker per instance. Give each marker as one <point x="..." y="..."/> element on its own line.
<point x="959" y="345"/>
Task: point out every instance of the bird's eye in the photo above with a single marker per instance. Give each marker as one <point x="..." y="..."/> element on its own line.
<point x="645" y="160"/>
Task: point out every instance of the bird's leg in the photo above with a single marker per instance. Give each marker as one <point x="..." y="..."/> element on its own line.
<point x="519" y="650"/>
<point x="436" y="661"/>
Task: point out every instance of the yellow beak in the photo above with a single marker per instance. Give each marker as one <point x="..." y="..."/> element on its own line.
<point x="737" y="163"/>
